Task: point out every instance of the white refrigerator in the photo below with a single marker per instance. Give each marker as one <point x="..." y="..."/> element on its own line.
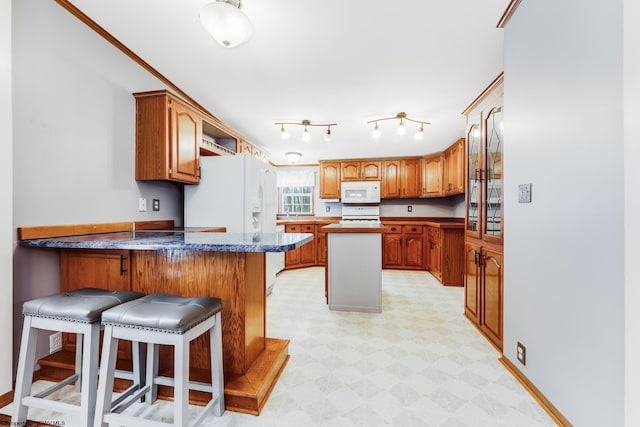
<point x="239" y="193"/>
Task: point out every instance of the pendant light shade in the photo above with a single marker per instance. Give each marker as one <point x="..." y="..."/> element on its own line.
<point x="226" y="23"/>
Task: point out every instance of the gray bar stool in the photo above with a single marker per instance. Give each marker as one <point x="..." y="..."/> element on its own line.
<point x="78" y="311"/>
<point x="169" y="320"/>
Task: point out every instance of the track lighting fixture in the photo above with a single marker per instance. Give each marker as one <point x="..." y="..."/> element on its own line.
<point x="401" y="130"/>
<point x="306" y="136"/>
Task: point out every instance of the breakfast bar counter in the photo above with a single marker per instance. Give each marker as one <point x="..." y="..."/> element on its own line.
<point x="230" y="266"/>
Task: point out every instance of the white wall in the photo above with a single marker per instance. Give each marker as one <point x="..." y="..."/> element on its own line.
<point x="6" y="188"/>
<point x="564" y="252"/>
<point x="632" y="207"/>
<point x="73" y="137"/>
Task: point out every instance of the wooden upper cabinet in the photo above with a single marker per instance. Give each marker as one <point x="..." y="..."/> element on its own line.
<point x="355" y="170"/>
<point x="350" y="171"/>
<point x="410" y="174"/>
<point x="390" y="185"/>
<point x="329" y="180"/>
<point x="168" y="134"/>
<point x="371" y="170"/>
<point x="432" y="176"/>
<point x="454" y="168"/>
<point x="186" y="129"/>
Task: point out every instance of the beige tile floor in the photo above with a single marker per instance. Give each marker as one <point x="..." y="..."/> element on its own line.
<point x="418" y="363"/>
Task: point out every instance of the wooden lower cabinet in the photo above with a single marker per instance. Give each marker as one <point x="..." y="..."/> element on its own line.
<point x="304" y="256"/>
<point x="444" y="254"/>
<point x="484" y="287"/>
<point x="321" y="246"/>
<point x="402" y="247"/>
<point x="95" y="269"/>
<point x="313" y="253"/>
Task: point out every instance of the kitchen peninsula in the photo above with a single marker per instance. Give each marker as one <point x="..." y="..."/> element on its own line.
<point x="230" y="266"/>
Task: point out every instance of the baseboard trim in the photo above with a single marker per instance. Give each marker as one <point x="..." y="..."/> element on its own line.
<point x="6" y="398"/>
<point x="537" y="395"/>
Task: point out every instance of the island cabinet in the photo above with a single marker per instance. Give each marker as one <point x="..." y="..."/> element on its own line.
<point x="361" y="170"/>
<point x="304" y="256"/>
<point x="330" y="180"/>
<point x="168" y="135"/>
<point x="402" y="247"/>
<point x="484" y="228"/>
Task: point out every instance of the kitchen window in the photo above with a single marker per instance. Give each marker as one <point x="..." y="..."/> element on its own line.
<point x="295" y="191"/>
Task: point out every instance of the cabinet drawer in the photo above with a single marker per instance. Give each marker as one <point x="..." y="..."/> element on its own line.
<point x="392" y="228"/>
<point x="412" y="229"/>
<point x="307" y="228"/>
<point x="292" y="228"/>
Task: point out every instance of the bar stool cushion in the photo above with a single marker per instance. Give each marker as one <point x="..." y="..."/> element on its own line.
<point x="163" y="313"/>
<point x="81" y="305"/>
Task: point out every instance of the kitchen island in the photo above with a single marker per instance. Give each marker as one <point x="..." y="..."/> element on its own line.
<point x="354" y="267"/>
<point x="230" y="266"/>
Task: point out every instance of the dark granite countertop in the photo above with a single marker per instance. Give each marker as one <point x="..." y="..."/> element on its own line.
<point x="161" y="240"/>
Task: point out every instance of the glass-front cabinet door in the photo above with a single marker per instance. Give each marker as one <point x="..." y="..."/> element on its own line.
<point x="473" y="177"/>
<point x="492" y="221"/>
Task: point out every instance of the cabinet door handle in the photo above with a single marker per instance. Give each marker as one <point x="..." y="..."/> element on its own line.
<point x="123" y="268"/>
<point x="413" y="229"/>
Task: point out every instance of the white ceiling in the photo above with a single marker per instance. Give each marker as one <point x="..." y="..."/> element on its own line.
<point x="326" y="61"/>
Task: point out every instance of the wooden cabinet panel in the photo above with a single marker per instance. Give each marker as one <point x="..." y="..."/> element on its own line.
<point x="413" y="251"/>
<point x="371" y="170"/>
<point x="365" y="170"/>
<point x="392" y="250"/>
<point x="186" y="128"/>
<point x="305" y="255"/>
<point x="403" y="247"/>
<point x="435" y="253"/>
<point x="491" y="297"/>
<point x="390" y="184"/>
<point x="350" y="171"/>
<point x="168" y="135"/>
<point x="308" y="251"/>
<point x="432" y="176"/>
<point x="454" y="168"/>
<point x="95" y="269"/>
<point x="472" y="283"/>
<point x="330" y="180"/>
<point x="321" y="246"/>
<point x="484" y="227"/>
<point x="410" y="173"/>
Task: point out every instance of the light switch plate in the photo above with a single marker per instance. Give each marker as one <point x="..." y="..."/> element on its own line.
<point x="524" y="193"/>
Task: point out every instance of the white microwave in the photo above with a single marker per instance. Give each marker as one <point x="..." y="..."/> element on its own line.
<point x="360" y="192"/>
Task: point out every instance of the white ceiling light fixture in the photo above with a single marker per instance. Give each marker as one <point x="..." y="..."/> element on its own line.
<point x="306" y="136"/>
<point x="226" y="23"/>
<point x="401" y="127"/>
<point x="293" y="156"/>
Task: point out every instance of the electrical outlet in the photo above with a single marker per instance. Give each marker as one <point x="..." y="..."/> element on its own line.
<point x="55" y="342"/>
<point x="142" y="204"/>
<point x="156" y="205"/>
<point x="521" y="353"/>
<point x="327" y="208"/>
<point x="524" y="193"/>
<point x="409" y="208"/>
